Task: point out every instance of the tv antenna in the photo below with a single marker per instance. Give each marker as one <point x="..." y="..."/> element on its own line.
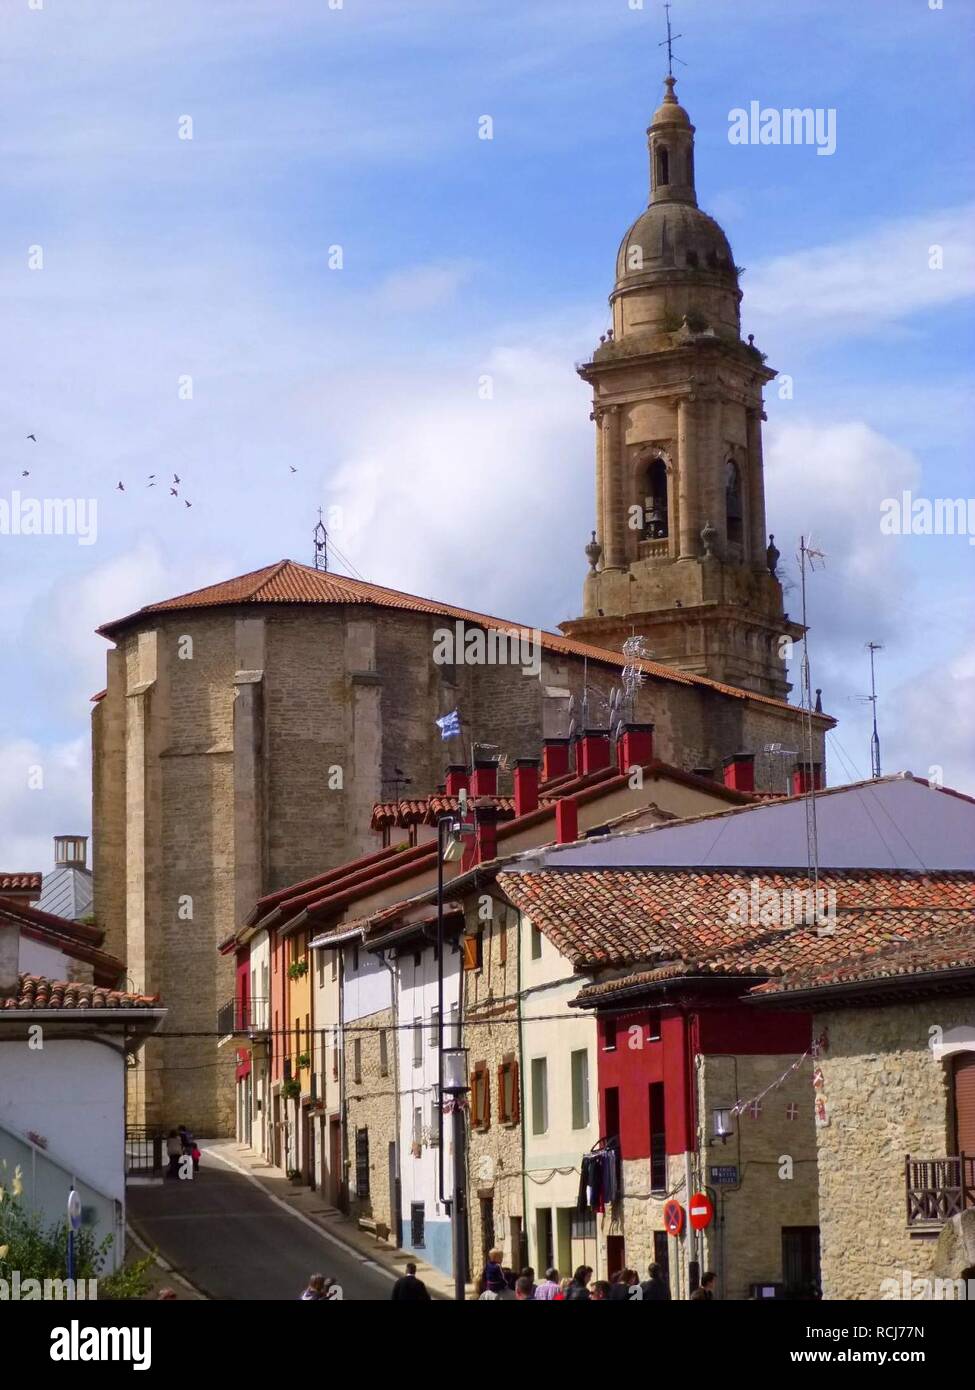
<point x="321" y="544"/>
<point x="875" y="738"/>
<point x="668" y="43"/>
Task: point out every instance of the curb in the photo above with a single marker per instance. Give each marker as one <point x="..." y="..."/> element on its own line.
<point x="132" y="1234"/>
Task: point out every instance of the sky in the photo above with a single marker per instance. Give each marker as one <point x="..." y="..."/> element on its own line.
<point x="248" y="237"/>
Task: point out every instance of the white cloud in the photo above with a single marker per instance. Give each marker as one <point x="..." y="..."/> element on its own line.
<point x="421" y="287"/>
<point x="868" y="281"/>
<point x="44" y="791"/>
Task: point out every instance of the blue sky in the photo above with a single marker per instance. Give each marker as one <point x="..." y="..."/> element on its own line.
<point x="315" y="127"/>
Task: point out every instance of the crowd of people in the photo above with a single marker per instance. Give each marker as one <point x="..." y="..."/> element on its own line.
<point x="625" y="1286"/>
<point x="321" y="1288"/>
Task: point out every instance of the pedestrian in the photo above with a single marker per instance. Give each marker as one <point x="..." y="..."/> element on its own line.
<point x="549" y="1288"/>
<point x="523" y="1288"/>
<point x="617" y="1287"/>
<point x="655" y="1288"/>
<point x="529" y="1274"/>
<point x="315" y="1290"/>
<point x="174" y="1149"/>
<point x="409" y="1289"/>
<point x="494" y="1280"/>
<point x="196" y="1155"/>
<point x="578" y="1290"/>
<point x="634" y="1289"/>
<point x="599" y="1292"/>
<point x="706" y="1290"/>
<point x="186" y="1139"/>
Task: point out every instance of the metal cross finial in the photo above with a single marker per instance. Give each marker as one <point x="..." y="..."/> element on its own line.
<point x="668" y="43"/>
<point x="321" y="544"/>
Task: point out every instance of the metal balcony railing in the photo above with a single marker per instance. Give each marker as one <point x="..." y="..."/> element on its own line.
<point x="243" y="1016"/>
<point x="938" y="1188"/>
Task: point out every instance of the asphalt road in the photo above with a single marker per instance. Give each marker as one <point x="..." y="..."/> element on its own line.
<point x="232" y="1241"/>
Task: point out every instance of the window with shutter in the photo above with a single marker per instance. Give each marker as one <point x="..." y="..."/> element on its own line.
<point x="964" y="1097"/>
<point x="508" y="1091"/>
<point x="480" y="1096"/>
<point x="472" y="951"/>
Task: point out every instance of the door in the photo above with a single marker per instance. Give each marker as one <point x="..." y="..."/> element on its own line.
<point x="335" y="1162"/>
<point x="544" y="1234"/>
<point x="487" y="1225"/>
<point x="563" y="1239"/>
<point x="615" y="1255"/>
<point x="395" y="1196"/>
<point x="963" y="1096"/>
<point x="800" y="1259"/>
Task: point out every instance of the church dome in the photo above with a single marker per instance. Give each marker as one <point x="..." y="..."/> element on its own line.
<point x="673" y="236"/>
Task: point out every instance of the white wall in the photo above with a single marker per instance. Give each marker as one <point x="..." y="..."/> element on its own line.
<point x="35" y="958"/>
<point x="367" y="987"/>
<point x="73" y="1093"/>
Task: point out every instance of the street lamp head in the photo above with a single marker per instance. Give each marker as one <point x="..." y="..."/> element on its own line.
<point x="455" y="1070"/>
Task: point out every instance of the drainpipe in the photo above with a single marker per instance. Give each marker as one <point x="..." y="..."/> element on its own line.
<point x="393" y="1212"/>
<point x="343" y="1118"/>
<point x="521" y="1102"/>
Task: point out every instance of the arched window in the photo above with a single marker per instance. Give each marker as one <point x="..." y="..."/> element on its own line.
<point x="655" y="520"/>
<point x="732" y="493"/>
<point x="663" y="166"/>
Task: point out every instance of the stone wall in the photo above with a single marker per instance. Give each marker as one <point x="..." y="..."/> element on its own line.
<point x="886" y="1096"/>
<point x="370" y="1104"/>
<point x="490" y="1033"/>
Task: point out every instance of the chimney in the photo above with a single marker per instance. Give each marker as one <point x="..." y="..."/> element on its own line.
<point x="593" y="752"/>
<point x="9" y="961"/>
<point x="485" y="843"/>
<point x="526" y="785"/>
<point x="739" y="772"/>
<point x="801" y="779"/>
<point x="555" y="758"/>
<point x="566" y="820"/>
<point x="485" y="779"/>
<point x="457" y="778"/>
<point x="71" y="850"/>
<point x="634" y="746"/>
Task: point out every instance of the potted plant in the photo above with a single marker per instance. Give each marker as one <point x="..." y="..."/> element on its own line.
<point x="291" y="1089"/>
<point x="297" y="968"/>
<point x="304" y="1061"/>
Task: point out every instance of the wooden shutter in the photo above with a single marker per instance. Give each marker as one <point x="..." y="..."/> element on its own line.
<point x="964" y="1089"/>
<point x="472" y="951"/>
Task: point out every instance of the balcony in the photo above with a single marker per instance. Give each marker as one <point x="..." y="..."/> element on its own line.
<point x="938" y="1189"/>
<point x="243" y="1018"/>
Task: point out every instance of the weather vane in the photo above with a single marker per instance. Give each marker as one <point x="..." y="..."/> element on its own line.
<point x="668" y="43"/>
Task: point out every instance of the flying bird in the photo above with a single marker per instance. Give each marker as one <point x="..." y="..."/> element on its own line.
<point x="150" y="484"/>
<point x="120" y="487"/>
<point x="33" y="436"/>
<point x="176" y="478"/>
<point x="187" y="504"/>
<point x="25" y="473"/>
<point x="292" y="467"/>
<point x="173" y="492"/>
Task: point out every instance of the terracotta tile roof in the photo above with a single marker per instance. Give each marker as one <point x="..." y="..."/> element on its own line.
<point x="657" y="918"/>
<point x="20" y="883"/>
<point x="77" y="940"/>
<point x="949" y="945"/>
<point x="36" y="992"/>
<point x="288" y="582"/>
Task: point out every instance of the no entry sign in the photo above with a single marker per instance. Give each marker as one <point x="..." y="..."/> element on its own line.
<point x="702" y="1211"/>
<point x="673" y="1218"/>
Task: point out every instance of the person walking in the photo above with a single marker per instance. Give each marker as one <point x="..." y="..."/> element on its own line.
<point x="578" y="1290"/>
<point x="174" y="1150"/>
<point x="599" y="1291"/>
<point x="315" y="1289"/>
<point x="549" y="1289"/>
<point x="706" y="1290"/>
<point x="494" y="1280"/>
<point x="409" y="1289"/>
<point x="655" y="1288"/>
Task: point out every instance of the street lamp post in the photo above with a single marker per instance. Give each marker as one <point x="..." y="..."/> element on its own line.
<point x="454" y="1071"/>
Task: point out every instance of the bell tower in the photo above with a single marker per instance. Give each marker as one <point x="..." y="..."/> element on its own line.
<point x="680" y="553"/>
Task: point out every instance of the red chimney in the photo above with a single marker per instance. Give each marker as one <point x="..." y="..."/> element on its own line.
<point x="457" y="778"/>
<point x="485" y="779"/>
<point x="555" y="758"/>
<point x="634" y="747"/>
<point x="484" y="845"/>
<point x="526" y="785"/>
<point x="566" y="820"/>
<point x="593" y="753"/>
<point x="801" y="780"/>
<point x="739" y="772"/>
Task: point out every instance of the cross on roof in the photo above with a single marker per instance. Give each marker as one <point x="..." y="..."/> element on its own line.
<point x="668" y="43"/>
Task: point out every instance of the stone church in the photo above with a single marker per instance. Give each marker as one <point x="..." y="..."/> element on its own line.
<point x="247" y="729"/>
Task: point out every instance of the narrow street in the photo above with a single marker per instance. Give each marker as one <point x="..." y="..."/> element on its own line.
<point x="233" y="1241"/>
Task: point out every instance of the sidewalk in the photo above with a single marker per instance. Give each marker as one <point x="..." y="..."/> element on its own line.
<point x="312" y="1207"/>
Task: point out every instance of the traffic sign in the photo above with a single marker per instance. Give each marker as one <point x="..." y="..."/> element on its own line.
<point x="702" y="1211"/>
<point x="74" y="1210"/>
<point x="673" y="1218"/>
